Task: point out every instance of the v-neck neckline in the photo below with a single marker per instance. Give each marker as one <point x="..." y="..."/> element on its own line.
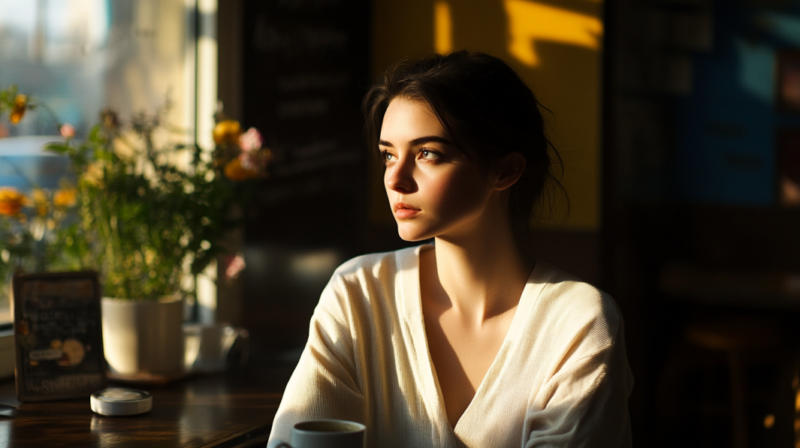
<point x="430" y="370"/>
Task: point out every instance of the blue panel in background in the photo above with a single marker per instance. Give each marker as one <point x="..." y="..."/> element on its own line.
<point x="25" y="165"/>
<point x="726" y="141"/>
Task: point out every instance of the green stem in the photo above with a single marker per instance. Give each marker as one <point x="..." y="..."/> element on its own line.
<point x="47" y="109"/>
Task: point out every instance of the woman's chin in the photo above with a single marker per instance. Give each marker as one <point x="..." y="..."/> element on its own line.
<point x="411" y="234"/>
<point x="412" y="239"/>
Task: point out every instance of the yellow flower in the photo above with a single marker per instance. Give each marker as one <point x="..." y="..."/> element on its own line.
<point x="94" y="174"/>
<point x="40" y="202"/>
<point x="20" y="102"/>
<point x="64" y="197"/>
<point x="11" y="201"/>
<point x="227" y="131"/>
<point x="235" y="171"/>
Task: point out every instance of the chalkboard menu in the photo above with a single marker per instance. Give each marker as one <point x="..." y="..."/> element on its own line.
<point x="305" y="73"/>
<point x="58" y="336"/>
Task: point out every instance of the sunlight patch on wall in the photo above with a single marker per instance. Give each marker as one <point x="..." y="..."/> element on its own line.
<point x="529" y="22"/>
<point x="443" y="28"/>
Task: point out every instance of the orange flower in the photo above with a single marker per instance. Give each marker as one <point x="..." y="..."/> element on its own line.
<point x="20" y="102"/>
<point x="235" y="171"/>
<point x="227" y="131"/>
<point x="64" y="197"/>
<point x="11" y="201"/>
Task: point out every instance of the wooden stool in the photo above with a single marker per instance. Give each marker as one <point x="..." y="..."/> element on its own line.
<point x="735" y="337"/>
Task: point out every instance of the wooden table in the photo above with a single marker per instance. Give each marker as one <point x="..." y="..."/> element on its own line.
<point x="234" y="409"/>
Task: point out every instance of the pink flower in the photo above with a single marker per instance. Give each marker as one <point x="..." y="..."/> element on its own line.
<point x="234" y="264"/>
<point x="250" y="140"/>
<point x="67" y="130"/>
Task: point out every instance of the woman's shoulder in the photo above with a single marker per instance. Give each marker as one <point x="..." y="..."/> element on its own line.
<point x="376" y="277"/>
<point x="372" y="284"/>
<point x="569" y="301"/>
<point x="375" y="266"/>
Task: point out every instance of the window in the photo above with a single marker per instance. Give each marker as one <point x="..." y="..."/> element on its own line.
<point x="80" y="56"/>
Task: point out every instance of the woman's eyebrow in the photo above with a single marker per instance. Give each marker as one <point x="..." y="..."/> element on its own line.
<point x="420" y="141"/>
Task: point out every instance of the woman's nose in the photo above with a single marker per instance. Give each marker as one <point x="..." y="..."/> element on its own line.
<point x="400" y="177"/>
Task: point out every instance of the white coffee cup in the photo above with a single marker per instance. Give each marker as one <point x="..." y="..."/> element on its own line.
<point x="324" y="434"/>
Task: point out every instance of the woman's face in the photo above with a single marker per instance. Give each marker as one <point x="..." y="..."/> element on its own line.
<point x="433" y="189"/>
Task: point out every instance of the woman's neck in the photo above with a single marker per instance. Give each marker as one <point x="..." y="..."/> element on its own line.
<point x="480" y="275"/>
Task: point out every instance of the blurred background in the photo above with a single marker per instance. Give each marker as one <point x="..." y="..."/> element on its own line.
<point x="678" y="122"/>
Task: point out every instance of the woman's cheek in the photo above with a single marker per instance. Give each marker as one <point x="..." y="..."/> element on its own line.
<point x="457" y="197"/>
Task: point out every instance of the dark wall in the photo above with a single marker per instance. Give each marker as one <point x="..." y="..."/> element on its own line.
<point x="692" y="233"/>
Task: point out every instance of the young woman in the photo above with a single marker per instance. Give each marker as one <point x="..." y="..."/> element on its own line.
<point x="463" y="342"/>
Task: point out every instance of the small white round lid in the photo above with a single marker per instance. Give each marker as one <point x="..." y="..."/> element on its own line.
<point x="121" y="401"/>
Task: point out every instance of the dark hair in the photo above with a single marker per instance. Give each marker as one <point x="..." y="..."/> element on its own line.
<point x="488" y="111"/>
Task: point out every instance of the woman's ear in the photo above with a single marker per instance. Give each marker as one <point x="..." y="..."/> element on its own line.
<point x="508" y="171"/>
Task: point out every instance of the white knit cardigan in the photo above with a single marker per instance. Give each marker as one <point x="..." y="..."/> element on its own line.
<point x="560" y="379"/>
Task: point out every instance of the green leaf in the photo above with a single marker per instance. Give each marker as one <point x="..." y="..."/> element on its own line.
<point x="60" y="148"/>
<point x="94" y="134"/>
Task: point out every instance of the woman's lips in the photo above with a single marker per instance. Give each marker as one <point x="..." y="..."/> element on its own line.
<point x="404" y="211"/>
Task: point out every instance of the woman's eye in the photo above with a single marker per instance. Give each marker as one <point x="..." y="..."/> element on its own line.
<point x="387" y="156"/>
<point x="429" y="155"/>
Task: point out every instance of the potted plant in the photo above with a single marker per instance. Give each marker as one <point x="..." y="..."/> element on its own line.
<point x="151" y="212"/>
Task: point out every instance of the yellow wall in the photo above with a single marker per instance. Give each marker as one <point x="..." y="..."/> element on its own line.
<point x="553" y="44"/>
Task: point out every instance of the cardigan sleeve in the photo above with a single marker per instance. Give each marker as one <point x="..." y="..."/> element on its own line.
<point x="324" y="384"/>
<point x="584" y="404"/>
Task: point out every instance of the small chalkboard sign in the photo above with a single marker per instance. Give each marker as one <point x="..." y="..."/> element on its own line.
<point x="58" y="336"/>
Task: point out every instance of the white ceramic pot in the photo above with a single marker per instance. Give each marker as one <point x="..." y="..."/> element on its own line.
<point x="143" y="337"/>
